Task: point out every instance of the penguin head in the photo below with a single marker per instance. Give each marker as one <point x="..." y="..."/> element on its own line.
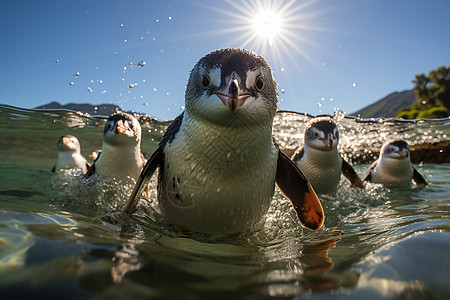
<point x="232" y="82"/>
<point x="68" y="143"/>
<point x="395" y="149"/>
<point x="122" y="129"/>
<point x="322" y="134"/>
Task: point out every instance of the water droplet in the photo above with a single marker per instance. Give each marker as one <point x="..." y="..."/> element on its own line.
<point x="157" y="20"/>
<point x="282" y="90"/>
<point x="100" y="81"/>
<point x="282" y="69"/>
<point x="142" y="63"/>
<point x="354" y="84"/>
<point x="424" y="101"/>
<point x="319" y="104"/>
<point x="182" y="107"/>
<point x="170" y="18"/>
<point x="130" y="63"/>
<point x="126" y="41"/>
<point x="331" y="99"/>
<point x="323" y="64"/>
<point x="154" y="89"/>
<point x="77" y="74"/>
<point x="123" y="79"/>
<point x="57" y="61"/>
<point x="103" y="92"/>
<point x="167" y="94"/>
<point x="71" y="83"/>
<point x="130" y="86"/>
<point x="89" y="89"/>
<point x="121" y="25"/>
<point x="145" y="103"/>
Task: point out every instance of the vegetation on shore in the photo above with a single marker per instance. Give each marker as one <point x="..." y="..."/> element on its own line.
<point x="432" y="94"/>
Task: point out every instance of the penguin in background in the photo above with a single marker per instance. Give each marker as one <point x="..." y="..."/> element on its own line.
<point x="319" y="158"/>
<point x="69" y="155"/>
<point x="393" y="167"/>
<point x="121" y="154"/>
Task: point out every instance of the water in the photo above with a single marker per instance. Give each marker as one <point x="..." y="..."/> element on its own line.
<point x="64" y="237"/>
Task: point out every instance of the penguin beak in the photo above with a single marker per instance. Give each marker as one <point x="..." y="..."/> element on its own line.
<point x="328" y="142"/>
<point x="65" y="141"/>
<point x="403" y="152"/>
<point x="120" y="127"/>
<point x="230" y="95"/>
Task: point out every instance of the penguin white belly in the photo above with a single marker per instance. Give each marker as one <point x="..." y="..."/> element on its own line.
<point x="71" y="160"/>
<point x="119" y="163"/>
<point x="219" y="181"/>
<point x="322" y="169"/>
<point x="393" y="172"/>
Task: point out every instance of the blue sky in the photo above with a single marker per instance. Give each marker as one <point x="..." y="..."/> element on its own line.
<point x="329" y="54"/>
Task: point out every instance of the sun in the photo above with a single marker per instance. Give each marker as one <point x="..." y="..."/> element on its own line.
<point x="279" y="29"/>
<point x="267" y="25"/>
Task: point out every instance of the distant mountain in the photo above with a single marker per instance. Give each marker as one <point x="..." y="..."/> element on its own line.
<point x="102" y="109"/>
<point x="389" y="106"/>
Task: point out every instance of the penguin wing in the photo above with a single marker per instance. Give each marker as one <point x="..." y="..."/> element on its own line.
<point x="153" y="162"/>
<point x="350" y="174"/>
<point x="90" y="171"/>
<point x="294" y="186"/>
<point x="368" y="176"/>
<point x="54" y="168"/>
<point x="418" y="178"/>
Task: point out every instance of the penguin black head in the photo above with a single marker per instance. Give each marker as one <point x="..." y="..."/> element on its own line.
<point x="68" y="143"/>
<point x="122" y="129"/>
<point x="322" y="134"/>
<point x="395" y="149"/>
<point x="231" y="82"/>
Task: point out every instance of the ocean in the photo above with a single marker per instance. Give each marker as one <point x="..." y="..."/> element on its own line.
<point x="65" y="237"/>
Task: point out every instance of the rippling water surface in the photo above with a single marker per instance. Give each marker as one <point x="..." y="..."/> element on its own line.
<point x="62" y="236"/>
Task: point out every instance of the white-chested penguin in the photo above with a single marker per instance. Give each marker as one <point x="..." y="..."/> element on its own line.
<point x="69" y="155"/>
<point x="121" y="154"/>
<point x="218" y="163"/>
<point x="319" y="158"/>
<point x="394" y="167"/>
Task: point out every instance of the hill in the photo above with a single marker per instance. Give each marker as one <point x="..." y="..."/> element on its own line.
<point x="389" y="106"/>
<point x="101" y="110"/>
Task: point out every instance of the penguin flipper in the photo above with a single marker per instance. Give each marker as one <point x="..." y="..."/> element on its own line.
<point x="294" y="186"/>
<point x="150" y="167"/>
<point x="54" y="168"/>
<point x="351" y="175"/>
<point x="90" y="171"/>
<point x="368" y="176"/>
<point x="418" y="178"/>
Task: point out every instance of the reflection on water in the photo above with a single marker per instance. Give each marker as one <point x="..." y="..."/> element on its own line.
<point x="62" y="234"/>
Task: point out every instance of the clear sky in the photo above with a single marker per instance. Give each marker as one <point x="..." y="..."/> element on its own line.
<point x="324" y="54"/>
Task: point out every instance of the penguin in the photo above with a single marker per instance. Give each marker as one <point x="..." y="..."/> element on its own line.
<point x="393" y="167"/>
<point x="319" y="158"/>
<point x="69" y="155"/>
<point x="121" y="154"/>
<point x="217" y="161"/>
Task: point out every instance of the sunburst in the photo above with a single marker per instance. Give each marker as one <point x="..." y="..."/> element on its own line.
<point x="272" y="28"/>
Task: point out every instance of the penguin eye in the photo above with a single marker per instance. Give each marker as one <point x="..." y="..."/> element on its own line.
<point x="259" y="83"/>
<point x="205" y="81"/>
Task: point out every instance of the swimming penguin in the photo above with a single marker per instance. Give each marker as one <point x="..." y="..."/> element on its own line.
<point x="121" y="154"/>
<point x="319" y="158"/>
<point x="218" y="163"/>
<point x="394" y="167"/>
<point x="69" y="155"/>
